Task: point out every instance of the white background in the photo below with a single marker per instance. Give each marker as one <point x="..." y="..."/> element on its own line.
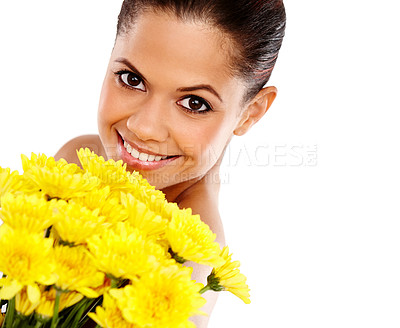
<point x="310" y="199"/>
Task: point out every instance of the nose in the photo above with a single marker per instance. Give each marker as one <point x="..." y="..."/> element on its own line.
<point x="149" y="122"/>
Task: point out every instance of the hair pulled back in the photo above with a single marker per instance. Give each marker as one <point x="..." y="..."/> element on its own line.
<point x="256" y="28"/>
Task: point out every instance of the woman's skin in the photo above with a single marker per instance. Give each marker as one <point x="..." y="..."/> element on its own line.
<point x="163" y="78"/>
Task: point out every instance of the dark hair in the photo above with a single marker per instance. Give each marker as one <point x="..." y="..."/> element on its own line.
<point x="256" y="28"/>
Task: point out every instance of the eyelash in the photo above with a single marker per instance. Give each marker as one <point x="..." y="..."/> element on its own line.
<point x="203" y="101"/>
<point x="122" y="83"/>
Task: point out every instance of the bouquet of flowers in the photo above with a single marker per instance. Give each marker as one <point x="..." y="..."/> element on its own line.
<point x="100" y="242"/>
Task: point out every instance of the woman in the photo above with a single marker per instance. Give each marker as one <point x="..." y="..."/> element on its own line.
<point x="183" y="78"/>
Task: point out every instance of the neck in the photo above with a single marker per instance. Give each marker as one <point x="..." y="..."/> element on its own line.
<point x="211" y="179"/>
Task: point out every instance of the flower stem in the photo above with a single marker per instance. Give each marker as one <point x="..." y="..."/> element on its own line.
<point x="38" y="324"/>
<point x="78" y="317"/>
<point x="114" y="283"/>
<point x="18" y="323"/>
<point x="8" y="321"/>
<point x="176" y="257"/>
<point x="204" y="289"/>
<point x="56" y="306"/>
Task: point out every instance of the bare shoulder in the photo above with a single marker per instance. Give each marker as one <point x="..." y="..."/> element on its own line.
<point x="68" y="150"/>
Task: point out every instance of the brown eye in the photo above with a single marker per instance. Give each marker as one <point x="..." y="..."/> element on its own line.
<point x="132" y="80"/>
<point x="195" y="104"/>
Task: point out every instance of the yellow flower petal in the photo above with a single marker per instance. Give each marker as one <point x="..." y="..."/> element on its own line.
<point x="22" y="304"/>
<point x="76" y="223"/>
<point x="108" y="205"/>
<point x="165" y="297"/>
<point x="110" y="173"/>
<point x="33" y="292"/>
<point x="26" y="258"/>
<point x="192" y="239"/>
<point x="76" y="271"/>
<point x="114" y="174"/>
<point x="88" y="292"/>
<point x="124" y="251"/>
<point x="11" y="181"/>
<point x="141" y="217"/>
<point x="229" y="277"/>
<point x="110" y="316"/>
<point x="58" y="179"/>
<point x="32" y="213"/>
<point x="9" y="288"/>
<point x="45" y="309"/>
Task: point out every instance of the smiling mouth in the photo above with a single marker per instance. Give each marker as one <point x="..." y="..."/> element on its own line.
<point x="139" y="160"/>
<point x="143" y="156"/>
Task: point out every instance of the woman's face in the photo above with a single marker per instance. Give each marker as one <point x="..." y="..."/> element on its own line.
<point x="169" y="104"/>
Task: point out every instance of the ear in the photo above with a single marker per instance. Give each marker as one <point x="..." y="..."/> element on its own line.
<point x="256" y="109"/>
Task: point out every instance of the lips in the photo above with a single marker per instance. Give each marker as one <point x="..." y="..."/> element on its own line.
<point x="145" y="157"/>
<point x="138" y="159"/>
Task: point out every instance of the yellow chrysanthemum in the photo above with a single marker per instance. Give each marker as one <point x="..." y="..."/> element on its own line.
<point x="76" y="272"/>
<point x="114" y="174"/>
<point x="108" y="206"/>
<point x="76" y="223"/>
<point x="113" y="210"/>
<point x="109" y="315"/>
<point x="111" y="173"/>
<point x="9" y="181"/>
<point x="124" y="251"/>
<point x="58" y="179"/>
<point x="160" y="206"/>
<point x="26" y="259"/>
<point x="191" y="239"/>
<point x="166" y="297"/>
<point x="104" y="287"/>
<point x="45" y="308"/>
<point x="5" y="179"/>
<point x="139" y="216"/>
<point x="228" y="277"/>
<point x="143" y="191"/>
<point x="27" y="212"/>
<point x="22" y="304"/>
<point x="93" y="199"/>
<point x="42" y="160"/>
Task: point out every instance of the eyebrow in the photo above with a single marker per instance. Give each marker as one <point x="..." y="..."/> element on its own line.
<point x="206" y="87"/>
<point x="131" y="66"/>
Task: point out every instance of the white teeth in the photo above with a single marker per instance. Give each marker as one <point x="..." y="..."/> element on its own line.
<point x="142" y="156"/>
<point x="134" y="153"/>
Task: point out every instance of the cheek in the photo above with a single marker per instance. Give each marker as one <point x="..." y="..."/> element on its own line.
<point x="110" y="107"/>
<point x="205" y="142"/>
<point x="105" y="102"/>
<point x="109" y="113"/>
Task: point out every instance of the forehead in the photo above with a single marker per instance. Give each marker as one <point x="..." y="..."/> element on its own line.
<point x="187" y="51"/>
